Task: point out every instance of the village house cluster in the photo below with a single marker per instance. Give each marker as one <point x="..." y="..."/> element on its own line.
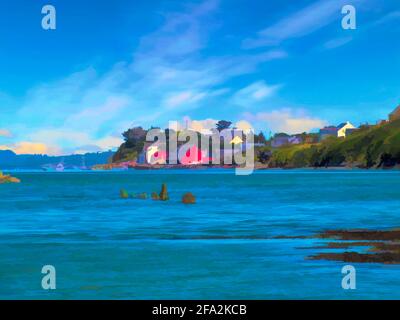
<point x="227" y="144"/>
<point x="341" y="131"/>
<point x="234" y="141"/>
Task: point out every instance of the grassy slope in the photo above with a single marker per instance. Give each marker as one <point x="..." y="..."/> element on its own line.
<point x="378" y="146"/>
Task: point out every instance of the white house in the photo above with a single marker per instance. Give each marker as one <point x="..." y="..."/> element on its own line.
<point x="343" y="127"/>
<point x="342" y="130"/>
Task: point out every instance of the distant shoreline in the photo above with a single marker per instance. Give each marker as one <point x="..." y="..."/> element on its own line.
<point x="204" y="168"/>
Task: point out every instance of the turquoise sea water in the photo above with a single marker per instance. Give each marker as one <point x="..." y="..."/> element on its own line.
<point x="104" y="247"/>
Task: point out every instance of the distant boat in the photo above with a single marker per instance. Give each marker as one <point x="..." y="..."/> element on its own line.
<point x="60" y="167"/>
<point x="49" y="167"/>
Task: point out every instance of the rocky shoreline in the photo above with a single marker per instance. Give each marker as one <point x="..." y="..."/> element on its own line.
<point x="359" y="245"/>
<point x="379" y="246"/>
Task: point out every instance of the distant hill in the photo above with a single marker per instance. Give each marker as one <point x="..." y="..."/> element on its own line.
<point x="9" y="160"/>
<point x="369" y="147"/>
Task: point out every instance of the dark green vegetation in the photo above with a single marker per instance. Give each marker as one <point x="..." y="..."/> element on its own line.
<point x="133" y="145"/>
<point x="369" y="147"/>
<point x="163" y="196"/>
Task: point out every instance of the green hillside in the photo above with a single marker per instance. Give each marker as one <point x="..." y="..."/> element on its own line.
<point x="368" y="147"/>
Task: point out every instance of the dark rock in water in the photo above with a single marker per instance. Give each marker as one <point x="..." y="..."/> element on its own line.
<point x="8" y="179"/>
<point x="357" y="257"/>
<point x="164" y="193"/>
<point x="141" y="196"/>
<point x="155" y="196"/>
<point x="123" y="194"/>
<point x="163" y="196"/>
<point x="188" y="198"/>
<point x="360" y="234"/>
<point x="383" y="246"/>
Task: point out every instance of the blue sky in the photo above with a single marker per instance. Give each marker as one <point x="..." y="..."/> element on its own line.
<point x="109" y="65"/>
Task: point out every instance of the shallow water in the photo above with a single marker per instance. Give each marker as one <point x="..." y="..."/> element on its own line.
<point x="221" y="248"/>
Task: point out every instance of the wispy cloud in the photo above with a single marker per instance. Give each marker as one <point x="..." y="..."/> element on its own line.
<point x="300" y="23"/>
<point x="168" y="76"/>
<point x="254" y="93"/>
<point x="337" y="42"/>
<point x="285" y="120"/>
<point x="342" y="40"/>
<point x="184" y="98"/>
<point x="391" y="16"/>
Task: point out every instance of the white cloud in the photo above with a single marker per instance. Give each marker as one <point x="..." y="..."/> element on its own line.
<point x="254" y="93"/>
<point x="337" y="42"/>
<point x="300" y="23"/>
<point x="285" y="120"/>
<point x="73" y="141"/>
<point x="392" y="16"/>
<point x="244" y="125"/>
<point x="29" y="147"/>
<point x="167" y="76"/>
<point x="183" y="98"/>
<point x="95" y="116"/>
<point x="203" y="126"/>
<point x="107" y="143"/>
